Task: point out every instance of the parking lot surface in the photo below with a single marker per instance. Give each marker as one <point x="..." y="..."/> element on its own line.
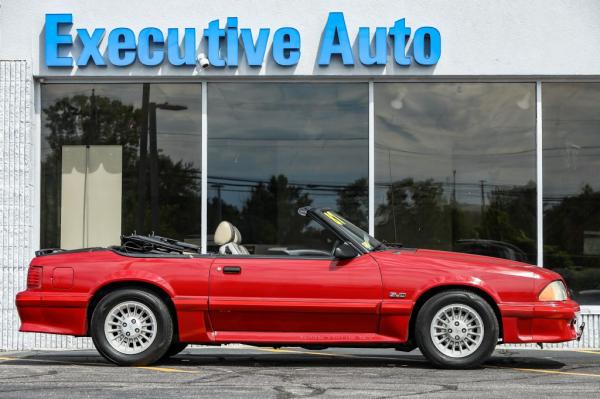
<point x="248" y="372"/>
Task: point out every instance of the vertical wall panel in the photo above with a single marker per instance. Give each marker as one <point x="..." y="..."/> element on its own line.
<point x="16" y="187"/>
<point x="16" y="206"/>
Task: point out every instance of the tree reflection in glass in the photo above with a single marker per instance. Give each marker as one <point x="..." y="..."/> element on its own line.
<point x="571" y="148"/>
<point x="274" y="147"/>
<point x="455" y="167"/>
<point x="164" y="172"/>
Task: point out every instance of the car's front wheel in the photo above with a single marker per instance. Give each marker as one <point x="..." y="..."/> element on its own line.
<point x="132" y="327"/>
<point x="456" y="329"/>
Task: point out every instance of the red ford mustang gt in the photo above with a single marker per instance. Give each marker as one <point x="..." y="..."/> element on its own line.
<point x="150" y="297"/>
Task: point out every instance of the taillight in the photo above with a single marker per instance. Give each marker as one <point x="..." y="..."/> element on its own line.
<point x="34" y="277"/>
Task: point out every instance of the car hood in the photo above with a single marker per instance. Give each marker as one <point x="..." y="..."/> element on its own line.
<point x="458" y="261"/>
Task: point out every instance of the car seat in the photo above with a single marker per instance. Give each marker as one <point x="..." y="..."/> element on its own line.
<point x="229" y="240"/>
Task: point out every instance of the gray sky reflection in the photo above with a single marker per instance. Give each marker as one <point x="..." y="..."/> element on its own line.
<point x="483" y="131"/>
<point x="315" y="134"/>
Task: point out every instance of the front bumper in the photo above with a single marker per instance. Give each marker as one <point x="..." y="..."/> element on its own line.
<point x="539" y="322"/>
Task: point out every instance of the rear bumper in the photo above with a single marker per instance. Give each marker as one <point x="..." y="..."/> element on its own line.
<point x="54" y="313"/>
<point x="541" y="322"/>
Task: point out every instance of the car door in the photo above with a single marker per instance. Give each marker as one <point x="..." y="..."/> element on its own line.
<point x="294" y="294"/>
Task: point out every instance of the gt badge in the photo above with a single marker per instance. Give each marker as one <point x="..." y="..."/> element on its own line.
<point x="394" y="294"/>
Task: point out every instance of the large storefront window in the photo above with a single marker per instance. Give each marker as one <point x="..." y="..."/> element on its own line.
<point x="455" y="167"/>
<point x="274" y="147"/>
<point x="571" y="140"/>
<point x="119" y="158"/>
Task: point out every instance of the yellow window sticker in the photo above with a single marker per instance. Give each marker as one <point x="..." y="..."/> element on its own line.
<point x="334" y="218"/>
<point x="366" y="245"/>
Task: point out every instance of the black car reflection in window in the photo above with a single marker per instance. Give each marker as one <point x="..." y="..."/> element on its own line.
<point x="497" y="249"/>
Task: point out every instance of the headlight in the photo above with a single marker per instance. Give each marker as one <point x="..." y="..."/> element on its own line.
<point x="555" y="291"/>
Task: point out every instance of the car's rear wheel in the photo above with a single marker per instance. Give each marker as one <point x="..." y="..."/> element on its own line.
<point x="456" y="329"/>
<point x="132" y="327"/>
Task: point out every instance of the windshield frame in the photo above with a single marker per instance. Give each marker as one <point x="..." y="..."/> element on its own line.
<point x="362" y="241"/>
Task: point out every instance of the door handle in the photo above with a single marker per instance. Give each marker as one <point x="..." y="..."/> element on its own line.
<point x="232" y="269"/>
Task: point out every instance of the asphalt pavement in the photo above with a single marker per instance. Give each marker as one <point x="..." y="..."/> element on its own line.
<point x="248" y="372"/>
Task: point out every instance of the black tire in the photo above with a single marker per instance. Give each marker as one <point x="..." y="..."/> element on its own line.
<point x="164" y="327"/>
<point x="174" y="349"/>
<point x="433" y="306"/>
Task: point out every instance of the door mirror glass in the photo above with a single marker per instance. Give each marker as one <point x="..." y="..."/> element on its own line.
<point x="344" y="251"/>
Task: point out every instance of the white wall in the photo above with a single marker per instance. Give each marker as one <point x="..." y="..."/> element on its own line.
<point x="486" y="38"/>
<point x="16" y="195"/>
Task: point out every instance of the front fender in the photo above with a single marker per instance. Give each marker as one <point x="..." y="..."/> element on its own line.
<point x="397" y="312"/>
<point x="457" y="282"/>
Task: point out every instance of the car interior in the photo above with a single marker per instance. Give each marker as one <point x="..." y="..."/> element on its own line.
<point x="317" y="241"/>
<point x="229" y="240"/>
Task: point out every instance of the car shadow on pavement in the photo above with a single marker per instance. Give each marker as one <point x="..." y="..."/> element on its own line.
<point x="525" y="362"/>
<point x="282" y="358"/>
<point x="312" y="359"/>
<point x="319" y="359"/>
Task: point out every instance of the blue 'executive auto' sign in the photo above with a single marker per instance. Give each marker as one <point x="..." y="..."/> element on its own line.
<point x="151" y="46"/>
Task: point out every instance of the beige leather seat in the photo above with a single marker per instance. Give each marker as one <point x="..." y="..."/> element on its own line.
<point x="229" y="240"/>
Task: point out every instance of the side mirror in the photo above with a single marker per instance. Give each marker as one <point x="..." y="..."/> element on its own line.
<point x="344" y="251"/>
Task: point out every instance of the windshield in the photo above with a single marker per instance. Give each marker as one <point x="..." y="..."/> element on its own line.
<point x="369" y="243"/>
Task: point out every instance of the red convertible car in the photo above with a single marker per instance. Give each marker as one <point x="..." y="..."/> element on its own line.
<point x="150" y="297"/>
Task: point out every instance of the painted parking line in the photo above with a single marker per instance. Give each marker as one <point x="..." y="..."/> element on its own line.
<point x="166" y="369"/>
<point x="545" y="371"/>
<point x="558" y="372"/>
<point x="162" y="369"/>
<point x="587" y="351"/>
<point x="25" y="359"/>
<point x="592" y="351"/>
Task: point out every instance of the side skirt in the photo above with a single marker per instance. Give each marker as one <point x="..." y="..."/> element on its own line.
<point x="284" y="338"/>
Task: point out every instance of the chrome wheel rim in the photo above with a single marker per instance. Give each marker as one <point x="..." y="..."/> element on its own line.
<point x="130" y="327"/>
<point x="457" y="330"/>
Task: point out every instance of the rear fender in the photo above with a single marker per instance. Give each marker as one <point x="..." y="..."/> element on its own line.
<point x="136" y="276"/>
<point x="190" y="313"/>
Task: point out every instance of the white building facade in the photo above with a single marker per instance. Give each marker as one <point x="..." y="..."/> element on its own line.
<point x="464" y="126"/>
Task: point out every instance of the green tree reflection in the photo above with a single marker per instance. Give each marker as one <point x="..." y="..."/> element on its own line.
<point x="421" y="214"/>
<point x="567" y="221"/>
<point x="353" y="202"/>
<point x="415" y="212"/>
<point x="101" y="120"/>
<point x="510" y="217"/>
<point x="270" y="214"/>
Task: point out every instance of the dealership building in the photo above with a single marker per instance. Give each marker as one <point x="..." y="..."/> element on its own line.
<point x="467" y="126"/>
